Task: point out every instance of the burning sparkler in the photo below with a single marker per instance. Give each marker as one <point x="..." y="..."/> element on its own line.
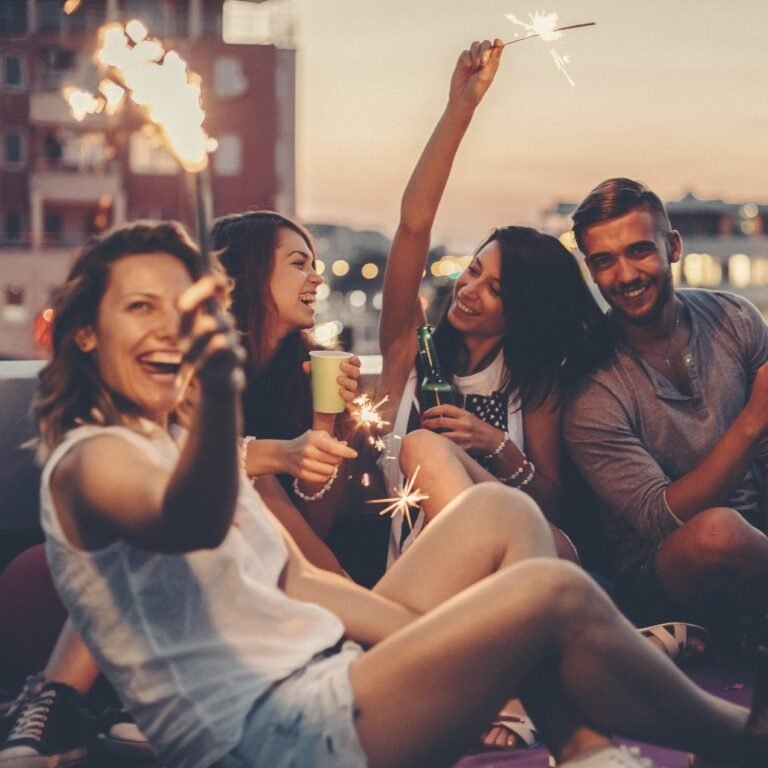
<point x="367" y="413"/>
<point x="406" y="498"/>
<point x="544" y="25"/>
<point x="159" y="83"/>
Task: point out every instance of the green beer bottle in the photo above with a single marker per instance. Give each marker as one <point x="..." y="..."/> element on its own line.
<point x="435" y="388"/>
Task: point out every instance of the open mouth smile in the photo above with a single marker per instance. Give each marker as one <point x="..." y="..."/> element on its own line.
<point x="161" y="362"/>
<point x="461" y="306"/>
<point x="308" y="299"/>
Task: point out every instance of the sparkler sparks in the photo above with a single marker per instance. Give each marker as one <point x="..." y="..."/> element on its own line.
<point x="544" y="25"/>
<point x="407" y="497"/>
<point x="159" y="82"/>
<point x="367" y="413"/>
<point x="156" y="80"/>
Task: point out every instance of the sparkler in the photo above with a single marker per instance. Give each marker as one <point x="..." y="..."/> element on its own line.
<point x="544" y="25"/>
<point x="367" y="413"/>
<point x="159" y="83"/>
<point x="406" y="498"/>
<point x="547" y="34"/>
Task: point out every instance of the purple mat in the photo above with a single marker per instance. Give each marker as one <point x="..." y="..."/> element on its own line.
<point x="727" y="683"/>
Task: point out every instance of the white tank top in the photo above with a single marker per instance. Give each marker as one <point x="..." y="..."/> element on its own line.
<point x="191" y="640"/>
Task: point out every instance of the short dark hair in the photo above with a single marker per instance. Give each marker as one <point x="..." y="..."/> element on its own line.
<point x="613" y="198"/>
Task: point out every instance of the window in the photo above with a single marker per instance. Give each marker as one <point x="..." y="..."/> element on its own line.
<point x="13" y="226"/>
<point x="228" y="157"/>
<point x="14" y="72"/>
<point x="229" y="80"/>
<point x="148" y="155"/>
<point x="14" y="294"/>
<point x="56" y="63"/>
<point x="53" y="226"/>
<point x="13" y="17"/>
<point x="13" y="149"/>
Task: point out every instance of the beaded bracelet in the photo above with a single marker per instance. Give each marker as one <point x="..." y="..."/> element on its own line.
<point x="526" y="465"/>
<point x="244" y="443"/>
<point x="499" y="448"/>
<point x="319" y="494"/>
<point x="527" y="479"/>
<point x="519" y="471"/>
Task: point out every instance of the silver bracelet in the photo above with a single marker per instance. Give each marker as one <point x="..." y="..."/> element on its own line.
<point x="319" y="494"/>
<point x="244" y="443"/>
<point x="499" y="448"/>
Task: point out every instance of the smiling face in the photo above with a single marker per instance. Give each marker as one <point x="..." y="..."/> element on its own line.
<point x="476" y="305"/>
<point x="293" y="284"/>
<point x="630" y="260"/>
<point x="134" y="340"/>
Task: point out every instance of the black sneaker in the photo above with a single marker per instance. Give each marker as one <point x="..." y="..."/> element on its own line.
<point x="9" y="708"/>
<point x="120" y="736"/>
<point x="48" y="732"/>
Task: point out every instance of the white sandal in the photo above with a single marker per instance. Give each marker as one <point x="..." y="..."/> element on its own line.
<point x="674" y="636"/>
<point x="522" y="732"/>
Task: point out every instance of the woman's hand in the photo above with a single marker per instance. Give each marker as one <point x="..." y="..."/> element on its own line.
<point x="207" y="337"/>
<point x="314" y="455"/>
<point x="474" y="73"/>
<point x="349" y="379"/>
<point x="465" y="429"/>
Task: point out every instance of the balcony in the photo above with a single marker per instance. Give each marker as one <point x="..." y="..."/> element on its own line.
<point x="75" y="185"/>
<point x="51" y="108"/>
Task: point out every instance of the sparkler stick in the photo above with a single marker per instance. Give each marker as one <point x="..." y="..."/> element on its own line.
<point x="557" y="29"/>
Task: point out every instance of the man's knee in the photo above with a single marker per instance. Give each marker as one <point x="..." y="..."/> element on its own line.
<point x="719" y="538"/>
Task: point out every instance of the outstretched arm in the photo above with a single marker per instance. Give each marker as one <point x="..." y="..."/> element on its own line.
<point x="108" y="488"/>
<point x="401" y="312"/>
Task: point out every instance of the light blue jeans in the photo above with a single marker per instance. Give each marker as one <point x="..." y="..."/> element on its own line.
<point x="307" y="720"/>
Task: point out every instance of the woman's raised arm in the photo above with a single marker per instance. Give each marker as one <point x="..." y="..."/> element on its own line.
<point x="401" y="312"/>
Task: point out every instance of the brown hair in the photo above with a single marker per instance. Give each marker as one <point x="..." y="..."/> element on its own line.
<point x="613" y="198"/>
<point x="70" y="389"/>
<point x="277" y="401"/>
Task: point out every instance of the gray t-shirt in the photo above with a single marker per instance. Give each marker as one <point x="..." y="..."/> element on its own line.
<point x="631" y="432"/>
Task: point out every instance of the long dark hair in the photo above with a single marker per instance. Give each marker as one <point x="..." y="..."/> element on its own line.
<point x="70" y="389"/>
<point x="277" y="402"/>
<point x="554" y="331"/>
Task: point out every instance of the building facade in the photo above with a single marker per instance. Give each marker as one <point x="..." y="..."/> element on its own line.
<point x="63" y="180"/>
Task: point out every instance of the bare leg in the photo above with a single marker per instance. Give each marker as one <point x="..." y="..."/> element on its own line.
<point x="449" y="471"/>
<point x="426" y="691"/>
<point x="715" y="554"/>
<point x="310" y="544"/>
<point x="71" y="662"/>
<point x="486" y="528"/>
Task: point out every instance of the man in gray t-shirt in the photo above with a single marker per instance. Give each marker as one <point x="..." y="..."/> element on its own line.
<point x="672" y="433"/>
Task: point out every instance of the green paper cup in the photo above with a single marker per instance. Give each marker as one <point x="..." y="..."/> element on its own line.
<point x="325" y="389"/>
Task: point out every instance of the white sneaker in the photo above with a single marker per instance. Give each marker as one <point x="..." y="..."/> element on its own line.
<point x="610" y="757"/>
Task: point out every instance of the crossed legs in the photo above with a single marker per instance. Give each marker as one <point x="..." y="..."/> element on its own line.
<point x="539" y="628"/>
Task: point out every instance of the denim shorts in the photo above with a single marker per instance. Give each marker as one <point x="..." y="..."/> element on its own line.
<point x="307" y="720"/>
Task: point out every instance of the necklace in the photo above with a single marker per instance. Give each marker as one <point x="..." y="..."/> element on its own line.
<point x="665" y="354"/>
